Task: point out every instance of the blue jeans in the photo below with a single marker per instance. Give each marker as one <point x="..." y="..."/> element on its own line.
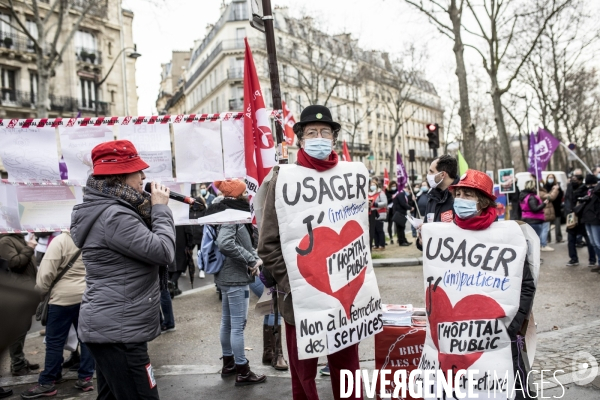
<point x="545" y="231"/>
<point x="167" y="318"/>
<point x="233" y="321"/>
<point x="60" y="319"/>
<point x="538" y="228"/>
<point x="257" y="288"/>
<point x="593" y="232"/>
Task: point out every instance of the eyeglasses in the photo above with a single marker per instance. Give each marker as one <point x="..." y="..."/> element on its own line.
<point x="313" y="133"/>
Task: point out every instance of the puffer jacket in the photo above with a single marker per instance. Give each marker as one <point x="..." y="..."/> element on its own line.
<point x="121" y="255"/>
<point x="19" y="257"/>
<point x="549" y="211"/>
<point x="235" y="243"/>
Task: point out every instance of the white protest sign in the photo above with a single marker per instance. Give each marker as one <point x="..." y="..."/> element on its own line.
<point x="77" y="142"/>
<point x="198" y="151"/>
<point x="152" y="139"/>
<point x="324" y="228"/>
<point x="472" y="293"/>
<point x="9" y="209"/>
<point x="28" y="150"/>
<point x="47" y="207"/>
<point x="233" y="148"/>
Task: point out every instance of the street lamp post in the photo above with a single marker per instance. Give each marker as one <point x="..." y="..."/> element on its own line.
<point x="133" y="55"/>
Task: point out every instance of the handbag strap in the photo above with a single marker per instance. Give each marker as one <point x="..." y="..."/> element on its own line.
<point x="65" y="270"/>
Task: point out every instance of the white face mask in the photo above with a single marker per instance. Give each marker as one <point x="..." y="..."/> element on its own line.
<point x="431" y="180"/>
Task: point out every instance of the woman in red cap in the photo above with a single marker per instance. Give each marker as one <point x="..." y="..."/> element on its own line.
<point x="475" y="210"/>
<point x="127" y="237"/>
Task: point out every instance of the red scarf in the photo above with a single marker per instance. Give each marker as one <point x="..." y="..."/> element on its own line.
<point x="478" y="223"/>
<point x="314" y="163"/>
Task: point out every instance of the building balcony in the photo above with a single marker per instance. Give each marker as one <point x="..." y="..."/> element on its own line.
<point x="355" y="148"/>
<point x="90" y="56"/>
<point x="235" y="73"/>
<point x="12" y="44"/>
<point x="225" y="45"/>
<point x="20" y="100"/>
<point x="90" y="107"/>
<point x="236" y="105"/>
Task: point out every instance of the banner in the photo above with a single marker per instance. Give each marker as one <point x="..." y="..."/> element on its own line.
<point x="48" y="207"/>
<point x="324" y="230"/>
<point x="472" y="293"/>
<point x="260" y="154"/>
<point x="541" y="149"/>
<point x="9" y="209"/>
<point x="198" y="151"/>
<point x="152" y="139"/>
<point x="401" y="175"/>
<point x="345" y="152"/>
<point x="181" y="211"/>
<point x="386" y="179"/>
<point x="77" y="139"/>
<point x="233" y="148"/>
<point x="288" y="124"/>
<point x="28" y="149"/>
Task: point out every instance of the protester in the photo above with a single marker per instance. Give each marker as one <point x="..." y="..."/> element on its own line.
<point x="575" y="190"/>
<point x="422" y="200"/>
<point x="19" y="255"/>
<point x="590" y="213"/>
<point x="180" y="264"/>
<point x="317" y="133"/>
<point x="532" y="207"/>
<point x="63" y="312"/>
<point x="43" y="240"/>
<point x="551" y="184"/>
<point x="206" y="195"/>
<point x="475" y="210"/>
<point x="127" y="237"/>
<point x="549" y="214"/>
<point x="239" y="268"/>
<point x="575" y="182"/>
<point x="390" y="192"/>
<point x="401" y="207"/>
<point x="377" y="214"/>
<point x="515" y="203"/>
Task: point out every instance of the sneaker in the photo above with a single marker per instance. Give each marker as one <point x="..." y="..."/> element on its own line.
<point x="325" y="370"/>
<point x="573" y="263"/>
<point x="547" y="248"/>
<point x="595" y="269"/>
<point x="5" y="392"/>
<point x="202" y="275"/>
<point x="40" y="391"/>
<point x="592" y="264"/>
<point x="165" y="329"/>
<point x="86" y="384"/>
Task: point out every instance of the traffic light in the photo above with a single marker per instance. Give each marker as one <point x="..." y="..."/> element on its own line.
<point x="433" y="134"/>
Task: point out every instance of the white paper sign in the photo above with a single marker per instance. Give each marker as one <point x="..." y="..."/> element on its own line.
<point x="9" y="209"/>
<point x="472" y="293"/>
<point x="181" y="211"/>
<point x="198" y="151"/>
<point x="153" y="143"/>
<point x="47" y="207"/>
<point x="324" y="228"/>
<point x="29" y="153"/>
<point x="233" y="148"/>
<point x="77" y="143"/>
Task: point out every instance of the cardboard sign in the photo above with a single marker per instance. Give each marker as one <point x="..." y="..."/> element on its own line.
<point x="472" y="293"/>
<point x="324" y="228"/>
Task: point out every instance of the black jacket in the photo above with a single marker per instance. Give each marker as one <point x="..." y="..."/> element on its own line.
<point x="515" y="204"/>
<point x="440" y="201"/>
<point x="570" y="199"/>
<point x="400" y="208"/>
<point x="591" y="208"/>
<point x="422" y="201"/>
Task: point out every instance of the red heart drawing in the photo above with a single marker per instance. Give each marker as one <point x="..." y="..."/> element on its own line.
<point x="468" y="308"/>
<point x="313" y="266"/>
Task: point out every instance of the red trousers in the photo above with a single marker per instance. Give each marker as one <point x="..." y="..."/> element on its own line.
<point x="304" y="372"/>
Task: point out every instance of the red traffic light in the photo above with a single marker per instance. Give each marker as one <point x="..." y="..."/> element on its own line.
<point x="431" y="127"/>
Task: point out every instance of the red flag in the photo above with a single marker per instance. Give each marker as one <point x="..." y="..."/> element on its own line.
<point x="346" y="153"/>
<point x="259" y="148"/>
<point x="386" y="178"/>
<point x="288" y="124"/>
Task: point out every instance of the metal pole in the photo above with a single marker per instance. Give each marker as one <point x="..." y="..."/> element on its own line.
<point x="274" y="77"/>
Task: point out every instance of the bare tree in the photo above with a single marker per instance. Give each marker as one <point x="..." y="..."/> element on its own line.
<point x="435" y="10"/>
<point x="520" y="121"/>
<point x="55" y="21"/>
<point x="361" y="108"/>
<point x="499" y="24"/>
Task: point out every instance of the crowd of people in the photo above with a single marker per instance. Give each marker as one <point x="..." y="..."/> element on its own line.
<point x="114" y="275"/>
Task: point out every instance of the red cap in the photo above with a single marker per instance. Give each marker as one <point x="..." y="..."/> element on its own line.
<point x="477" y="180"/>
<point x="116" y="157"/>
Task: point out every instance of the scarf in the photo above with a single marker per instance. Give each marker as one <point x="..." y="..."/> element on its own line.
<point x="314" y="163"/>
<point x="140" y="203"/>
<point x="479" y="222"/>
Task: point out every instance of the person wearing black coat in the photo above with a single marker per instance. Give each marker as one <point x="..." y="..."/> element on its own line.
<point x="400" y="207"/>
<point x="557" y="203"/>
<point x="575" y="190"/>
<point x="590" y="213"/>
<point x="390" y="192"/>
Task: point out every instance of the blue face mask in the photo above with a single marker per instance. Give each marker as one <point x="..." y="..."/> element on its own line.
<point x="424" y="189"/>
<point x="465" y="208"/>
<point x="203" y="192"/>
<point x="319" y="148"/>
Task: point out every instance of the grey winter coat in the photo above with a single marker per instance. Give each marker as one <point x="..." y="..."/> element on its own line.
<point x="121" y="255"/>
<point x="235" y="243"/>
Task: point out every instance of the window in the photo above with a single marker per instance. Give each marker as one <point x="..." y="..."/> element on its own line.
<point x="240" y="34"/>
<point x="217" y="105"/>
<point x="112" y="96"/>
<point x="284" y="72"/>
<point x="86" y="47"/>
<point x="33" y="86"/>
<point x="5" y="28"/>
<point x="110" y="49"/>
<point x="33" y="31"/>
<point x="88" y="93"/>
<point x="9" y="90"/>
<point x="299" y="106"/>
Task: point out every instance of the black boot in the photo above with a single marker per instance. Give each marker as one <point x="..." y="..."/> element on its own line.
<point x="72" y="360"/>
<point x="267" y="344"/>
<point x="228" y="366"/>
<point x="246" y="377"/>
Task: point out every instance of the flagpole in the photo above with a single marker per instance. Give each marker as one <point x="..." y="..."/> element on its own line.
<point x="413" y="192"/>
<point x="575" y="155"/>
<point x="274" y="76"/>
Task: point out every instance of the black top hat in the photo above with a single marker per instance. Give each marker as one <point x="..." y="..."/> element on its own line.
<point x="317" y="113"/>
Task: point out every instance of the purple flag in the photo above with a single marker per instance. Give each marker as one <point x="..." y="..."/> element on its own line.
<point x="541" y="150"/>
<point x="401" y="176"/>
